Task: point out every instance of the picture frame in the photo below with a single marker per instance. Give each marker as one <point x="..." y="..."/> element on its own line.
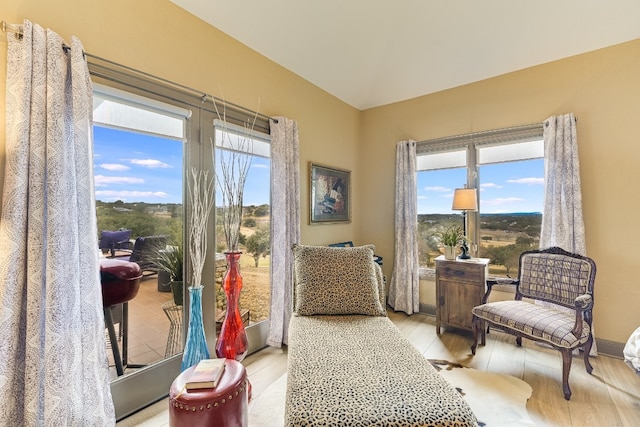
<point x="329" y="194"/>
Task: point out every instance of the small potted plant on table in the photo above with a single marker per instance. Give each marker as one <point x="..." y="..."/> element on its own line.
<point x="451" y="237"/>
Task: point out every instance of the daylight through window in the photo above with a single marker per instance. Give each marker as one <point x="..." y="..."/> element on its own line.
<point x="509" y="173"/>
<point x="255" y="233"/>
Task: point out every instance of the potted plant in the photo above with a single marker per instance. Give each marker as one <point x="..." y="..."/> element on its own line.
<point x="170" y="260"/>
<point x="451" y="237"/>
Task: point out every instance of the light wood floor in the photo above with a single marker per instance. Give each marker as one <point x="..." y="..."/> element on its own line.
<point x="610" y="397"/>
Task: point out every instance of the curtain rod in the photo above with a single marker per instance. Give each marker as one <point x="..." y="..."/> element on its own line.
<point x="12" y="28"/>
<point x="484" y="133"/>
<point x="17" y="30"/>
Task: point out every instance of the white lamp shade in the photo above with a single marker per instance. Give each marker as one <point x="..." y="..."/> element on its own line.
<point x="465" y="199"/>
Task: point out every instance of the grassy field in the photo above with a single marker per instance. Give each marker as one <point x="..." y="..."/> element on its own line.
<point x="256" y="291"/>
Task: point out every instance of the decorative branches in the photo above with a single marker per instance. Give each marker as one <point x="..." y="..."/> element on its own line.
<point x="233" y="163"/>
<point x="200" y="189"/>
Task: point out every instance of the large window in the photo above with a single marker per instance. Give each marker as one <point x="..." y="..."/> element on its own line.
<point x="507" y="168"/>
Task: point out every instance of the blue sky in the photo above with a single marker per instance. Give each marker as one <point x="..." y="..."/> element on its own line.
<point x="504" y="188"/>
<point x="258" y="185"/>
<point x="134" y="167"/>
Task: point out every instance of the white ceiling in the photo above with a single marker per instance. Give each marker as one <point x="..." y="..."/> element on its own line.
<point x="375" y="52"/>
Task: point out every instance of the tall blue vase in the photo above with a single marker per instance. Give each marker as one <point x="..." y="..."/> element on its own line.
<point x="195" y="348"/>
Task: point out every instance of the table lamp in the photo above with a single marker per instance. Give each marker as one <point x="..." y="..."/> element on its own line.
<point x="465" y="199"/>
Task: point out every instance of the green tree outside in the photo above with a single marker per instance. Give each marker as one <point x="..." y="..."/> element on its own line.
<point x="259" y="244"/>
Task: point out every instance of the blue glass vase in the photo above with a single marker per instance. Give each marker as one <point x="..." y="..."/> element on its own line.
<point x="195" y="348"/>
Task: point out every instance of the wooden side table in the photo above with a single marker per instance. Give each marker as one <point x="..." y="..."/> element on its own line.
<point x="460" y="286"/>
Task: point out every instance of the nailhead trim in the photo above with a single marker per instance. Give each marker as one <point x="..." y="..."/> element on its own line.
<point x="222" y="401"/>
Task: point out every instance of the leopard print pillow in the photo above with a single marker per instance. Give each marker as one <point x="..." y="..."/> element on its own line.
<point x="335" y="280"/>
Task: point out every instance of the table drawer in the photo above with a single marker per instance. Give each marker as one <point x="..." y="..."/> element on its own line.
<point x="460" y="271"/>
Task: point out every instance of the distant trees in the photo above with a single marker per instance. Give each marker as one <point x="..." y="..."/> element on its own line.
<point x="509" y="255"/>
<point x="147" y="219"/>
<point x="504" y="237"/>
<point x="428" y="246"/>
<point x="137" y="218"/>
<point x="262" y="210"/>
<point x="259" y="244"/>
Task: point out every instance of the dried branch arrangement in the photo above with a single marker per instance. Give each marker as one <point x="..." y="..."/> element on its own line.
<point x="200" y="189"/>
<point x="231" y="175"/>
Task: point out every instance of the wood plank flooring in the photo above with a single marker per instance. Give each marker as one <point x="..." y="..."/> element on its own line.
<point x="610" y="397"/>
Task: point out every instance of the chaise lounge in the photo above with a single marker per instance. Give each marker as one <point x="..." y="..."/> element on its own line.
<point x="348" y="364"/>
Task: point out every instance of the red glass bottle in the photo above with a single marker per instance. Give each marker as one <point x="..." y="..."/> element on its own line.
<point x="232" y="341"/>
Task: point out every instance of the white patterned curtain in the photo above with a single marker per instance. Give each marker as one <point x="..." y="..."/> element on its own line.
<point x="285" y="224"/>
<point x="404" y="288"/>
<point x="562" y="221"/>
<point x="54" y="368"/>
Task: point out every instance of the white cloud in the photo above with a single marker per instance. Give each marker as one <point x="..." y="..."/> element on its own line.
<point x="150" y="163"/>
<point x="114" y="167"/>
<point x="101" y="180"/>
<point x="490" y="185"/>
<point x="502" y="201"/>
<point x="528" y="181"/>
<point x="131" y="195"/>
<point x="437" y="188"/>
<point x="259" y="166"/>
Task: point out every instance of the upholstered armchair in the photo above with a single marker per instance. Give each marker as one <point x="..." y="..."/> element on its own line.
<point x="552" y="275"/>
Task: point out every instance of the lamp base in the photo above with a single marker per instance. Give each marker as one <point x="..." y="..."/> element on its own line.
<point x="465" y="251"/>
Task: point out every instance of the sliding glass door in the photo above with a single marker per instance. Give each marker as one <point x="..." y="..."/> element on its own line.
<point x="147" y="138"/>
<point x="140" y="151"/>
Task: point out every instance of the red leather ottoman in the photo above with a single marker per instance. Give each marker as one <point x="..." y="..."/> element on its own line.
<point x="223" y="406"/>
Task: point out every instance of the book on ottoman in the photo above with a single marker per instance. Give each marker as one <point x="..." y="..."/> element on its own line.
<point x="206" y="374"/>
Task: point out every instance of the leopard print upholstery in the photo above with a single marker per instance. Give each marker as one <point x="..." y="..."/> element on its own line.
<point x="336" y="280"/>
<point x="360" y="371"/>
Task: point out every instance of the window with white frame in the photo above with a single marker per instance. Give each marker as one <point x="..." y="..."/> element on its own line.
<point x="507" y="168"/>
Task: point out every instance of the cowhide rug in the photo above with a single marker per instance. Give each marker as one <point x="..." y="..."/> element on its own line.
<point x="496" y="399"/>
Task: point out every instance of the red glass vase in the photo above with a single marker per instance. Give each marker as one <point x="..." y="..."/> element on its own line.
<point x="232" y="341"/>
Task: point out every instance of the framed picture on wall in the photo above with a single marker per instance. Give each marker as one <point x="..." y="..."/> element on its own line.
<point x="329" y="194"/>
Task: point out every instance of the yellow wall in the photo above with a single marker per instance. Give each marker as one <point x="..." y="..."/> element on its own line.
<point x="601" y="88"/>
<point x="158" y="37"/>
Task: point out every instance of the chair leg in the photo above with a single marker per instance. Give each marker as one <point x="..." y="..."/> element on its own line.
<point x="474" y="326"/>
<point x="566" y="367"/>
<point x="587" y="350"/>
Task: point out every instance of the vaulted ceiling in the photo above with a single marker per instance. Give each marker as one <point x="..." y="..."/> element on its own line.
<point x="373" y="52"/>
